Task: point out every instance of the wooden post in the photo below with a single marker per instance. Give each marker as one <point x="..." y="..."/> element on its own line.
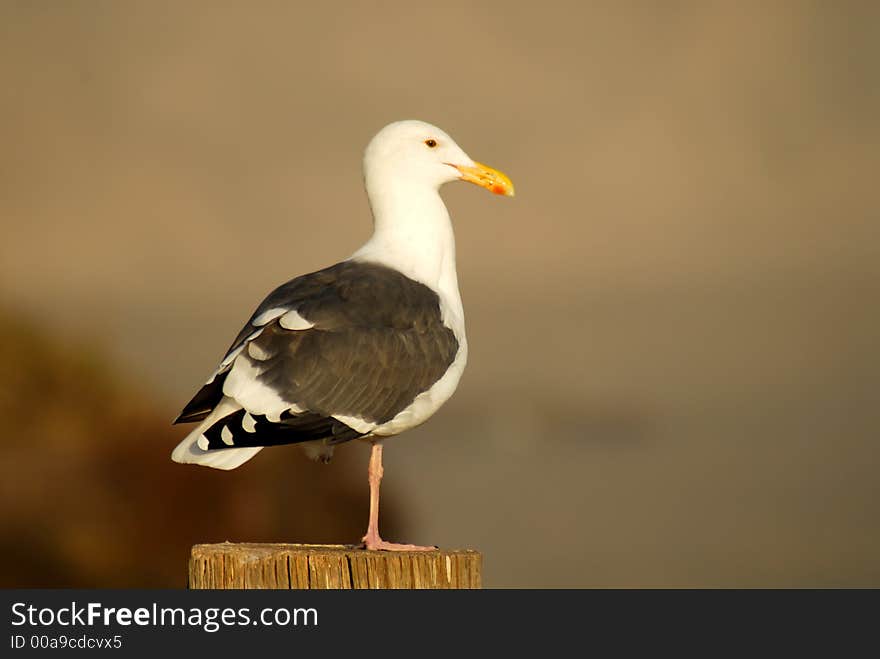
<point x="288" y="566"/>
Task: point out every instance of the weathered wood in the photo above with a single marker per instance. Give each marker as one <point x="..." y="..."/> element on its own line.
<point x="290" y="566"/>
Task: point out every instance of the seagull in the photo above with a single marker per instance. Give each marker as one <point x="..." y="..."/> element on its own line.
<point x="364" y="349"/>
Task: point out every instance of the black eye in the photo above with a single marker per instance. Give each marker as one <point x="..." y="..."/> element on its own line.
<point x="431" y="143"/>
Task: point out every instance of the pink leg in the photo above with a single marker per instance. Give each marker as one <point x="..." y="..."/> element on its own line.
<point x="371" y="539"/>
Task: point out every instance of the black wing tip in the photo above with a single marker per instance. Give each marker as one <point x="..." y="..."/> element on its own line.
<point x="294" y="429"/>
<point x="203" y="403"/>
<point x="192" y="417"/>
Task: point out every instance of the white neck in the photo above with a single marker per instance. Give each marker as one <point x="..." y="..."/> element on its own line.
<point x="412" y="233"/>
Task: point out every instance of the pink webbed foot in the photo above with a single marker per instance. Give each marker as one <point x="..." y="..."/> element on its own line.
<point x="378" y="544"/>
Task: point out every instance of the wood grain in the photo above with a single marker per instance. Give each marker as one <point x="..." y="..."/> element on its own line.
<point x="320" y="567"/>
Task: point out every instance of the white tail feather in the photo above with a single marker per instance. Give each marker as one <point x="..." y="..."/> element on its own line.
<point x="188" y="451"/>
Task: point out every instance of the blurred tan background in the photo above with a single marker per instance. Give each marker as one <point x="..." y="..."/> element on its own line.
<point x="673" y="327"/>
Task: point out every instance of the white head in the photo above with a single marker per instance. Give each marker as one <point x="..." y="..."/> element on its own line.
<point x="404" y="166"/>
<point x="415" y="153"/>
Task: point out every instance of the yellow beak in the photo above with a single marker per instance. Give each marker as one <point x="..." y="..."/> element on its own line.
<point x="486" y="177"/>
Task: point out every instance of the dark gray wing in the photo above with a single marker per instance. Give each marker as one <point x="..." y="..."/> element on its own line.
<point x="375" y="341"/>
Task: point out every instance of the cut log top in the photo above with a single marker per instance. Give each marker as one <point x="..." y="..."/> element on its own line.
<point x="304" y="567"/>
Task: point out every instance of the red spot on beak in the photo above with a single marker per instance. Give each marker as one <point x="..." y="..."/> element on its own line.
<point x="498" y="189"/>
